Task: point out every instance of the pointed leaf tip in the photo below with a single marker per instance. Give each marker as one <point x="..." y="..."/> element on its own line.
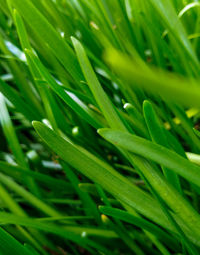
<point x="76" y="43"/>
<point x="146" y="103"/>
<point x="36" y="124"/>
<point x="102" y="131"/>
<point x="73" y="39"/>
<point x="146" y="106"/>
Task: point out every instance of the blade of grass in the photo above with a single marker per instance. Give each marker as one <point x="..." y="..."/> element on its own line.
<point x="155" y="152"/>
<point x="98" y="92"/>
<point x="49" y="102"/>
<point x="158" y="136"/>
<point x="138" y="145"/>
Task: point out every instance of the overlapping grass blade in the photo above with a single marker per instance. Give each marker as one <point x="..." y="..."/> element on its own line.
<point x="139" y="145"/>
<point x="155" y="152"/>
<point x="121" y="188"/>
<point x="44" y="29"/>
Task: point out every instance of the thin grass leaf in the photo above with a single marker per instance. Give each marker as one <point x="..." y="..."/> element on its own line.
<point x="98" y="92"/>
<point x="158" y="136"/>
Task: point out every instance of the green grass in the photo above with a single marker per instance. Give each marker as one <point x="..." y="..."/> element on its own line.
<point x="99" y="127"/>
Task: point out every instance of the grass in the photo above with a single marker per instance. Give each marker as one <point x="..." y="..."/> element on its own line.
<point x="99" y="125"/>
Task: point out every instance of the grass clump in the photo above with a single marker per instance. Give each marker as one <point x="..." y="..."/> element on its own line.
<point x="99" y="124"/>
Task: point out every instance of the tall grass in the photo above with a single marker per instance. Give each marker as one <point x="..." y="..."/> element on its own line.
<point x="99" y="117"/>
